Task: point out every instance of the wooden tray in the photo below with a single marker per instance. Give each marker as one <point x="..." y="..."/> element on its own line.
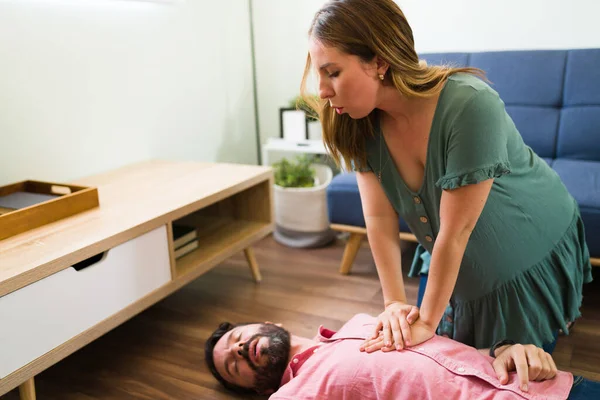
<point x="30" y="204"/>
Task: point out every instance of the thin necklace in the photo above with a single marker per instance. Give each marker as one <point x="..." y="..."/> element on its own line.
<point x="381" y="139"/>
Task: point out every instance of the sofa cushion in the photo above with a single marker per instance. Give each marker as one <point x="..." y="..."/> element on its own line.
<point x="579" y="133"/>
<point x="582" y="179"/>
<point x="526" y="78"/>
<point x="343" y="202"/>
<point x="579" y="130"/>
<point x="582" y="78"/>
<point x="549" y="161"/>
<point x="538" y="126"/>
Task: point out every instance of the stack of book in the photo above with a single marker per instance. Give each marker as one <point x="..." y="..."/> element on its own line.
<point x="185" y="239"/>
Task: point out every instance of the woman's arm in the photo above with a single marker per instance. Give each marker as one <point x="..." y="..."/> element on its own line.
<point x="382" y="232"/>
<point x="459" y="211"/>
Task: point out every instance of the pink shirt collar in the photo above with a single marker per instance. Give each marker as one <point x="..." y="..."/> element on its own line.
<point x="324" y="335"/>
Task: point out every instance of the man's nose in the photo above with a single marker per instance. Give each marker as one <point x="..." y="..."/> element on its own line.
<point x="237" y="349"/>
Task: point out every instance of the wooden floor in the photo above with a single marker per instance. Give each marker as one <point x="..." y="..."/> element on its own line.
<point x="158" y="354"/>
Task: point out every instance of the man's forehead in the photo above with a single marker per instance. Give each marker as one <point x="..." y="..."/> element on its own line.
<point x="222" y="343"/>
<point x="219" y="351"/>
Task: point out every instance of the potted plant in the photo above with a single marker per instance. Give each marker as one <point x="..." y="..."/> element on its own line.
<point x="301" y="214"/>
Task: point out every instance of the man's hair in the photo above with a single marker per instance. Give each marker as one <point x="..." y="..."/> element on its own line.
<point x="210" y="362"/>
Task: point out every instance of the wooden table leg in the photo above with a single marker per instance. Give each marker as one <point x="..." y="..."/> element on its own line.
<point x="249" y="253"/>
<point x="350" y="251"/>
<point x="27" y="390"/>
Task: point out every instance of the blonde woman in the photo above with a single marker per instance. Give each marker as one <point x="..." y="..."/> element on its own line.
<point x="434" y="145"/>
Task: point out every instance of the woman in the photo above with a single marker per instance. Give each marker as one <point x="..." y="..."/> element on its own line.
<point x="435" y="145"/>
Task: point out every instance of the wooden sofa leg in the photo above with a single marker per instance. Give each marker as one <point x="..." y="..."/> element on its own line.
<point x="249" y="253"/>
<point x="350" y="252"/>
<point x="27" y="390"/>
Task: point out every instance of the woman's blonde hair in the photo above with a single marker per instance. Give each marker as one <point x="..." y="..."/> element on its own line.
<point x="369" y="28"/>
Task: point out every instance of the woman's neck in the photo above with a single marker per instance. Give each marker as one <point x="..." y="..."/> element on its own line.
<point x="402" y="111"/>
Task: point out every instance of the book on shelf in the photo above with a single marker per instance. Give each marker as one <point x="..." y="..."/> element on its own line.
<point x="183" y="234"/>
<point x="186" y="248"/>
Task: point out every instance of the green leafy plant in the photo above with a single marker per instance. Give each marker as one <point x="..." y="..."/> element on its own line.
<point x="299" y="103"/>
<point x="295" y="174"/>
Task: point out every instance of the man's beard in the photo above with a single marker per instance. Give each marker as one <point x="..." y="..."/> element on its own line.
<point x="278" y="353"/>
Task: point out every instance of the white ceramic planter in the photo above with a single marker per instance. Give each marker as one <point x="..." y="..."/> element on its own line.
<point x="301" y="214"/>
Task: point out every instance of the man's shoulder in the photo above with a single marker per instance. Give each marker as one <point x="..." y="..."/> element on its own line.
<point x="359" y="321"/>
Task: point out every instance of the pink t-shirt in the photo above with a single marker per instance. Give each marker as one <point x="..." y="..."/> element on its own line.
<point x="437" y="369"/>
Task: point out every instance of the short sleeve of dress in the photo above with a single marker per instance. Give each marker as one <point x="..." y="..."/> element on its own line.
<point x="477" y="145"/>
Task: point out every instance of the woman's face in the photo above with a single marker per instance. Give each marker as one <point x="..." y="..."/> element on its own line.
<point x="351" y="85"/>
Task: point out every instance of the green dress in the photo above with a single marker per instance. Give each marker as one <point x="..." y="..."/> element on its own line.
<point x="524" y="266"/>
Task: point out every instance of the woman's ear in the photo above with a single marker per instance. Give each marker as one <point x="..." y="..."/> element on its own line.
<point x="382" y="66"/>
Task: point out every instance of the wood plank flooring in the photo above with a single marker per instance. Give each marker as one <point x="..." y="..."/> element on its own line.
<point x="159" y="353"/>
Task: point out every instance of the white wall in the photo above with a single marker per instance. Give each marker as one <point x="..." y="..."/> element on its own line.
<point x="280" y="35"/>
<point x="438" y="25"/>
<point x="471" y="25"/>
<point x="89" y="85"/>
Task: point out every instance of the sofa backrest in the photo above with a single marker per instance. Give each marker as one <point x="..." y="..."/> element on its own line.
<point x="553" y="96"/>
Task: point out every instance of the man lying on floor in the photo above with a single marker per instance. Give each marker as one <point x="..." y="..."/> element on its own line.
<point x="266" y="359"/>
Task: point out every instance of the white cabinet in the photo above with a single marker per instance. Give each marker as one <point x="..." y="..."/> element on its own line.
<point x="45" y="314"/>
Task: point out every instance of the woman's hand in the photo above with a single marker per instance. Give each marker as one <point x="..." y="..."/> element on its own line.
<point x="394" y="322"/>
<point x="420" y="333"/>
<point x="531" y="363"/>
<point x="371" y="345"/>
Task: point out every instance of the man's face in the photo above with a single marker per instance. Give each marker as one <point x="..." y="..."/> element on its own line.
<point x="253" y="356"/>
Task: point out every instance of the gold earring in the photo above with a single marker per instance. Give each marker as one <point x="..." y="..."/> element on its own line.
<point x="381" y="77"/>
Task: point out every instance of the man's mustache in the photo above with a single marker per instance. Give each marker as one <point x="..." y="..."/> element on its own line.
<point x="246" y="350"/>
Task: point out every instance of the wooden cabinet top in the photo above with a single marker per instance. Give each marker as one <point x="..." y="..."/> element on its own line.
<point x="133" y="200"/>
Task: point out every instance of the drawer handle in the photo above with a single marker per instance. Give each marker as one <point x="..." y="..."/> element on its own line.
<point x="88" y="262"/>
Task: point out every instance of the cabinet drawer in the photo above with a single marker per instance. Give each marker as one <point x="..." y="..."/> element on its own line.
<point x="41" y="316"/>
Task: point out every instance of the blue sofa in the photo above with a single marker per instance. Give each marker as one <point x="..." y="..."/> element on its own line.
<point x="553" y="96"/>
